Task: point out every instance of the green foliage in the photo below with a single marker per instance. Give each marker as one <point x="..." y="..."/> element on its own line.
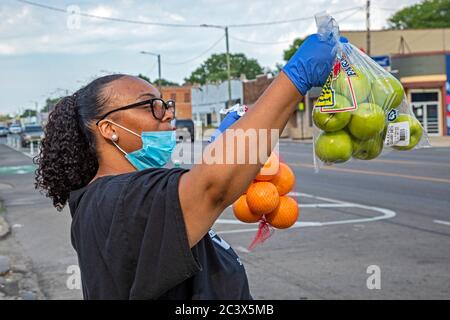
<point x="214" y="69"/>
<point x="50" y="104"/>
<point x="28" y="113"/>
<point x="427" y="14"/>
<point x="287" y="54"/>
<point x="4" y="117"/>
<point x="163" y="82"/>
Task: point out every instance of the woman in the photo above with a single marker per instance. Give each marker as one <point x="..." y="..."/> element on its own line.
<point x="142" y="231"/>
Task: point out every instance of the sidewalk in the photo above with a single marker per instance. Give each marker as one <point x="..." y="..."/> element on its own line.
<point x="39" y="235"/>
<point x="440" y="142"/>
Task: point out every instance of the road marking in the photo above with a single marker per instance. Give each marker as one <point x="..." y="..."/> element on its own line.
<point x="447" y="223"/>
<point x="242" y="249"/>
<point x="411" y="162"/>
<point x="392" y="161"/>
<point x="17" y="169"/>
<point x="375" y="173"/>
<point x="386" y="214"/>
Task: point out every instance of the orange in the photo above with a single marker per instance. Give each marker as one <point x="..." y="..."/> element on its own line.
<point x="262" y="197"/>
<point x="270" y="168"/>
<point x="284" y="179"/>
<point x="242" y="212"/>
<point x="285" y="215"/>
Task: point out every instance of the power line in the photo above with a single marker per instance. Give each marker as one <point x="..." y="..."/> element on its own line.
<point x="257" y="24"/>
<point x="262" y="43"/>
<point x="88" y="15"/>
<point x="358" y="9"/>
<point x="179" y="25"/>
<point x="198" y="56"/>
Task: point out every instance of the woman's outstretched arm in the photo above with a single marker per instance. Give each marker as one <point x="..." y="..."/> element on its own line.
<point x="208" y="188"/>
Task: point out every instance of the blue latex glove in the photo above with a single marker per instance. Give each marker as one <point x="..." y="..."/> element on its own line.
<point x="312" y="63"/>
<point x="227" y="122"/>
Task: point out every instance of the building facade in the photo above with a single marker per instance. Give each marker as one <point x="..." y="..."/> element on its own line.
<point x="182" y="96"/>
<point x="209" y="99"/>
<point x="420" y="59"/>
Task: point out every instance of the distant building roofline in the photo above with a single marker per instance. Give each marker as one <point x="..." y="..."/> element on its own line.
<point x="412" y="54"/>
<point x="392" y="30"/>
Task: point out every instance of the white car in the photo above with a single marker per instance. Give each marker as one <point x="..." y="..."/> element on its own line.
<point x="3" y="131"/>
<point x="15" y="128"/>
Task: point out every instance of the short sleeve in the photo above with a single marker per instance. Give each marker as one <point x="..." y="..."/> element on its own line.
<point x="156" y="232"/>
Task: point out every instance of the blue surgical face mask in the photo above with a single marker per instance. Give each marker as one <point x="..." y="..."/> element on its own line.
<point x="157" y="148"/>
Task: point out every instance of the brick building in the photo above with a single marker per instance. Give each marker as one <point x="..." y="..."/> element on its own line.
<point x="182" y="97"/>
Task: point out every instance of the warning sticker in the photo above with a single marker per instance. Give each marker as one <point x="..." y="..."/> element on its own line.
<point x="397" y="134"/>
<point x="326" y="98"/>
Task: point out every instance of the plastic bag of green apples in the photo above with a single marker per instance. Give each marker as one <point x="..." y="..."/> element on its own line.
<point x="362" y="109"/>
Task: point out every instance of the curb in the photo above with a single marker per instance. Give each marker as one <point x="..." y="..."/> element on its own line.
<point x="4" y="225"/>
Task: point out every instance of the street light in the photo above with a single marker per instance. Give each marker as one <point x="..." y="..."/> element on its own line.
<point x="159" y="64"/>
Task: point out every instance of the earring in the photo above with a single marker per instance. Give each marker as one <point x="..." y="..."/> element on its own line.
<point x="114" y="137"/>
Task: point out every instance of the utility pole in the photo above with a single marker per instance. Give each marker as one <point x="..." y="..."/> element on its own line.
<point x="159" y="64"/>
<point x="159" y="69"/>
<point x="368" y="27"/>
<point x="228" y="67"/>
<point x="227" y="45"/>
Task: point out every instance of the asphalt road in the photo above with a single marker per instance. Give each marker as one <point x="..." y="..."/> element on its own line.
<point x="391" y="213"/>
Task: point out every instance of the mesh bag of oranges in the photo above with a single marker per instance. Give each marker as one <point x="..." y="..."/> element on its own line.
<point x="362" y="108"/>
<point x="266" y="201"/>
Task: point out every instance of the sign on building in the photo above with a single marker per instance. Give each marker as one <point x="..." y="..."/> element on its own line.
<point x="383" y="61"/>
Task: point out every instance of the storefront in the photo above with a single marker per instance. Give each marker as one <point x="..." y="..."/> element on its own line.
<point x="427" y="97"/>
<point x="424" y="77"/>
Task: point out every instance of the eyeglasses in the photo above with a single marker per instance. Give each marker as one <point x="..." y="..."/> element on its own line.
<point x="157" y="106"/>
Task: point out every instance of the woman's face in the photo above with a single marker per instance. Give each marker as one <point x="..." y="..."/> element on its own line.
<point x="125" y="91"/>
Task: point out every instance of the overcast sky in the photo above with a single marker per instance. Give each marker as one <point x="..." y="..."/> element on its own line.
<point x="42" y="53"/>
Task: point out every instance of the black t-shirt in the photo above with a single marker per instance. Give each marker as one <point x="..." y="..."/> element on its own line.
<point x="130" y="237"/>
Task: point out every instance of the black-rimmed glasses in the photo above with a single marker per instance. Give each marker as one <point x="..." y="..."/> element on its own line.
<point x="157" y="105"/>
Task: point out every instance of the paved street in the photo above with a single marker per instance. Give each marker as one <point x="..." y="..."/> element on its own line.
<point x="392" y="212"/>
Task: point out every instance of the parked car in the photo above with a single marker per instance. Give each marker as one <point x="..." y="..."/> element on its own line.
<point x="3" y="131"/>
<point x="185" y="130"/>
<point x="15" y="128"/>
<point x="31" y="133"/>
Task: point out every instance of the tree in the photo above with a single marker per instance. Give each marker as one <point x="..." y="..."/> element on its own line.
<point x="287" y="54"/>
<point x="427" y="14"/>
<point x="5" y="117"/>
<point x="163" y="82"/>
<point x="214" y="69"/>
<point x="28" y="113"/>
<point x="50" y="104"/>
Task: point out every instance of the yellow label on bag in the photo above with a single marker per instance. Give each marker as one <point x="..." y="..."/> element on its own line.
<point x="327" y="99"/>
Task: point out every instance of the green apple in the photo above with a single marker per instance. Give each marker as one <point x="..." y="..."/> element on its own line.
<point x="329" y="121"/>
<point x="367" y="121"/>
<point x="360" y="83"/>
<point x="367" y="149"/>
<point x="387" y="92"/>
<point x="415" y="131"/>
<point x="333" y="147"/>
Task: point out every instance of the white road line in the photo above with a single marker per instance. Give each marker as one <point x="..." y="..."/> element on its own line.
<point x="447" y="223"/>
<point x="386" y="214"/>
<point x="242" y="249"/>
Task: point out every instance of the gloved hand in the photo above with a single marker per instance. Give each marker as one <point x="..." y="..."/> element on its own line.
<point x="227" y="122"/>
<point x="312" y="63"/>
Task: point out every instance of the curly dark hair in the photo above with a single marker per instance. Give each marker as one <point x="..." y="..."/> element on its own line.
<point x="67" y="159"/>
